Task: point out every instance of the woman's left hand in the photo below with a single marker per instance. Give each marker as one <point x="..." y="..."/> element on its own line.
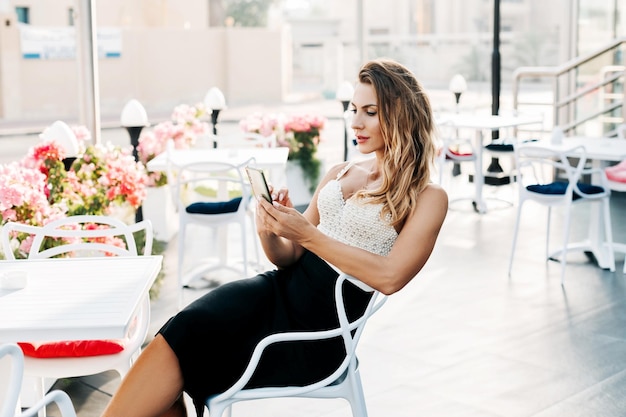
<point x="282" y="221"/>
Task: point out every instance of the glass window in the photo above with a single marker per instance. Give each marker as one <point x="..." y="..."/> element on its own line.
<point x="23" y="15"/>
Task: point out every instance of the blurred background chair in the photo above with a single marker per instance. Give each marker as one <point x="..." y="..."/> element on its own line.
<point x="549" y="178"/>
<point x="454" y="152"/>
<point x="84" y="235"/>
<point x="213" y="195"/>
<point x="243" y="140"/>
<point x="616" y="181"/>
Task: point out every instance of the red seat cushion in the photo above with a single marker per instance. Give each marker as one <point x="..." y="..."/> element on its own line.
<point x="617" y="172"/>
<point x="458" y="153"/>
<point x="72" y="349"/>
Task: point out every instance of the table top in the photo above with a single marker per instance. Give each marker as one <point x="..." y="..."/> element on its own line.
<point x="486" y="121"/>
<point x="75" y="298"/>
<point x="599" y="148"/>
<point x="265" y="157"/>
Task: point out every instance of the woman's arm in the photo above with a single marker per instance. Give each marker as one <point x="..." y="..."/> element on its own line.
<point x="281" y="251"/>
<point x="387" y="274"/>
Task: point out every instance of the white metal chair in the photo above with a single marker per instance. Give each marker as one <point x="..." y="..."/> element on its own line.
<point x="76" y="241"/>
<point x="11" y="383"/>
<point x="10" y="404"/>
<point x="212" y="194"/>
<point x="455" y="151"/>
<point x="614" y="173"/>
<point x="538" y="167"/>
<point x="344" y="382"/>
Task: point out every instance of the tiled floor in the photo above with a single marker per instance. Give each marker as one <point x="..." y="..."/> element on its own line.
<point x="464" y="339"/>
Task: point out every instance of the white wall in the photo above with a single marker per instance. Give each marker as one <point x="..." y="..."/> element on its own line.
<point x="160" y="67"/>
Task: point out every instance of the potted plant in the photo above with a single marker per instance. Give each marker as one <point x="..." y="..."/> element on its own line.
<point x="301" y="134"/>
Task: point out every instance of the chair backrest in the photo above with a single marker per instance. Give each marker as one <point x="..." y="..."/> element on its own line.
<point x="11" y="382"/>
<point x="211" y="182"/>
<point x="350" y="332"/>
<point x="244" y="140"/>
<point x="542" y="165"/>
<point x="79" y="235"/>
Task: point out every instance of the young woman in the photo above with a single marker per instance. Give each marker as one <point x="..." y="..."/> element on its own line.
<point x="376" y="220"/>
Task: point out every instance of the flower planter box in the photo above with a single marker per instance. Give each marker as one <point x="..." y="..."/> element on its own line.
<point x="298" y="186"/>
<point x="159" y="208"/>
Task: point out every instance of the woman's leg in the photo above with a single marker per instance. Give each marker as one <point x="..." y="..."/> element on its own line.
<point x="152" y="387"/>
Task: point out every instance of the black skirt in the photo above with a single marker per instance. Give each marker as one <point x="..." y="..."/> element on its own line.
<point x="215" y="335"/>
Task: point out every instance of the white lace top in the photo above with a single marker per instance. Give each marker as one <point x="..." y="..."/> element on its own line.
<point x="353" y="221"/>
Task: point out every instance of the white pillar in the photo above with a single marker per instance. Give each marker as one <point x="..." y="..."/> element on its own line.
<point x="87" y="54"/>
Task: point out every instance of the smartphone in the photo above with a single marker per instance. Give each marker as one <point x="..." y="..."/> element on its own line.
<point x="258" y="182"/>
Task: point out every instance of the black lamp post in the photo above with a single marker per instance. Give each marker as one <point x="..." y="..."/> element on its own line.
<point x="344" y="94"/>
<point x="494" y="166"/>
<point x="134" y="119"/>
<point x="457" y="86"/>
<point x="215" y="101"/>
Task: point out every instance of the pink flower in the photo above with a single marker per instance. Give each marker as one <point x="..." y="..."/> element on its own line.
<point x="263" y="124"/>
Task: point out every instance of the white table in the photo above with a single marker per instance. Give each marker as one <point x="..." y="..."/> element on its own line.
<point x="75" y="298"/>
<point x="600" y="150"/>
<point x="272" y="159"/>
<point x="481" y="123"/>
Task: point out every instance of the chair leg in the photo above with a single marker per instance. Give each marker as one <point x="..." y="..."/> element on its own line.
<point x="515" y="232"/>
<point x="357" y="398"/>
<point x="40" y="391"/>
<point x="548" y="233"/>
<point x="244" y="247"/>
<point x="566" y="228"/>
<point x="608" y="233"/>
<point x="181" y="254"/>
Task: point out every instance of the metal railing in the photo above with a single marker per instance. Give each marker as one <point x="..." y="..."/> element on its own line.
<point x="586" y="93"/>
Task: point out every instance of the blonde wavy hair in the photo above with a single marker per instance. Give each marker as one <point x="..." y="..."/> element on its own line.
<point x="408" y="130"/>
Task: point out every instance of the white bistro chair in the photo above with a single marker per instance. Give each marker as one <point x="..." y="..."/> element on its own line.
<point x="244" y="140"/>
<point x="51" y="360"/>
<point x="454" y="152"/>
<point x="616" y="181"/>
<point x="344" y="382"/>
<point x="213" y="195"/>
<point x="537" y="167"/>
<point x="9" y="402"/>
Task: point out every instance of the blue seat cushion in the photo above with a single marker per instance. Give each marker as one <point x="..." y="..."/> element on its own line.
<point x="500" y="147"/>
<point x="218" y="207"/>
<point x="504" y="146"/>
<point x="559" y="187"/>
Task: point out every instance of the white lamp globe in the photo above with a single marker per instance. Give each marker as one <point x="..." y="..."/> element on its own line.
<point x="214" y="99"/>
<point x="134" y="115"/>
<point x="345" y="91"/>
<point x="60" y="133"/>
<point x="457" y="84"/>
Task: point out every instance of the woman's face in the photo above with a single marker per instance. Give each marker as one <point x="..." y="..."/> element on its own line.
<point x="365" y="122"/>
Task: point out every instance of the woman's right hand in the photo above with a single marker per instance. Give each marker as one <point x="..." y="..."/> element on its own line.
<point x="281" y="196"/>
